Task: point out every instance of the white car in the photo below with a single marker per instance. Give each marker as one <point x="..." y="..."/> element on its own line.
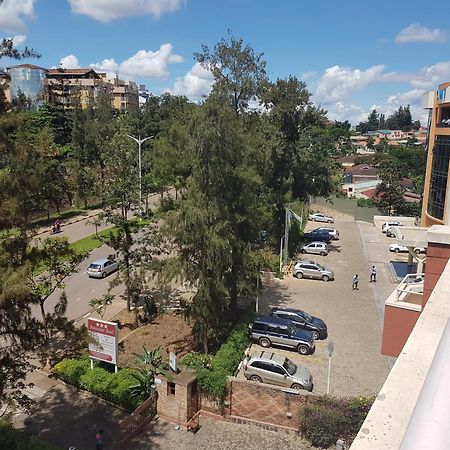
<point x="331" y="231"/>
<point x="397" y="248"/>
<point x="315" y="248"/>
<point x="319" y="217"/>
<point x="387" y="225"/>
<point x="102" y="267"/>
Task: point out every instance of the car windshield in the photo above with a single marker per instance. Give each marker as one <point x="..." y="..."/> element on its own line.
<point x="320" y="267"/>
<point x="307" y="317"/>
<point x="289" y="366"/>
<point x="94" y="266"/>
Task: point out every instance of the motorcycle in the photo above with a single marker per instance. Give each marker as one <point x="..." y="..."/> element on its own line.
<point x="55" y="229"/>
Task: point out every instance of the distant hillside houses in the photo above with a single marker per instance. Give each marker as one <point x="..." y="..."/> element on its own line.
<point x="365" y="142"/>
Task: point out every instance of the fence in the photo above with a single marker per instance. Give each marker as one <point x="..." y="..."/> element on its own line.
<point x="137" y="421"/>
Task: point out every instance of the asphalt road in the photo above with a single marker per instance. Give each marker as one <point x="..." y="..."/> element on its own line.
<point x="79" y="288"/>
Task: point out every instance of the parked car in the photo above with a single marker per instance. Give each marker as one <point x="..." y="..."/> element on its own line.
<point x="303" y="320"/>
<point x="267" y="367"/>
<point x="402" y="249"/>
<point x="319" y="217"/>
<point x="102" y="267"/>
<point x="311" y="269"/>
<point x="315" y="248"/>
<point x="321" y="236"/>
<point x="386" y="225"/>
<point x="331" y="231"/>
<point x="268" y="330"/>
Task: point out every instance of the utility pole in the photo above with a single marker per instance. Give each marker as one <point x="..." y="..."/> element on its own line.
<point x="286" y="234"/>
<point x="139" y="142"/>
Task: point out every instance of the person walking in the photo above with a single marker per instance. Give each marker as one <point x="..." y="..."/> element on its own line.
<point x="373" y="274"/>
<point x="355" y="282"/>
<point x="99" y="440"/>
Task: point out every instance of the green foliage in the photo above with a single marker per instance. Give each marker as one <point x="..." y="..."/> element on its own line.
<point x="212" y="372"/>
<point x="11" y="439"/>
<point x="114" y="387"/>
<point x="366" y="203"/>
<point x="329" y="419"/>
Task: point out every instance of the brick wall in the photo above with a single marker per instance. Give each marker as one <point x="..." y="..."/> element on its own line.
<point x="266" y="404"/>
<point x="437" y="258"/>
<point x="398" y="324"/>
<point x="172" y="406"/>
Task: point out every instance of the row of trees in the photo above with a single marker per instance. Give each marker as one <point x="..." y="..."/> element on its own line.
<point x="398" y="120"/>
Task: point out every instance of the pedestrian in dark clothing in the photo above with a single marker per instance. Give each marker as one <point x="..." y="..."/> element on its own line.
<point x="99" y="440"/>
<point x="373" y="274"/>
<point x="355" y="281"/>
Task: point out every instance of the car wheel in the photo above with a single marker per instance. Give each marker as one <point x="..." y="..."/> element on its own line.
<point x="396" y="250"/>
<point x="329" y="221"/>
<point x="298" y="275"/>
<point x="297" y="386"/>
<point x="264" y="342"/>
<point x="303" y="251"/>
<point x="325" y="278"/>
<point x="303" y="349"/>
<point x="103" y="274"/>
<point x="315" y="335"/>
<point x="417" y="251"/>
<point x="255" y="378"/>
<point x="323" y="253"/>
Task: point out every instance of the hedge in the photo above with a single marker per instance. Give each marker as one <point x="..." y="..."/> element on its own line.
<point x="212" y="372"/>
<point x="113" y="387"/>
<point x="11" y="439"/>
<point x="330" y="419"/>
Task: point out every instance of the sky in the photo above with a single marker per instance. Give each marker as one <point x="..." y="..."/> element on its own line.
<point x="354" y="55"/>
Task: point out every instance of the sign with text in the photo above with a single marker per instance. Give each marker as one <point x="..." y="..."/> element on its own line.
<point x="103" y="342"/>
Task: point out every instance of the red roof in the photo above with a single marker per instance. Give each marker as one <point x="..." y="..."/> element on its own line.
<point x="28" y="66"/>
<point x="71" y="71"/>
<point x="363" y="169"/>
<point x="369" y="193"/>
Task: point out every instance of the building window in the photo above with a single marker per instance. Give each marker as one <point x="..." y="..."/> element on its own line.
<point x="439" y="175"/>
<point x="170" y="388"/>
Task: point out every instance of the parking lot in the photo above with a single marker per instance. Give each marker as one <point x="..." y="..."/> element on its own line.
<point x="354" y="318"/>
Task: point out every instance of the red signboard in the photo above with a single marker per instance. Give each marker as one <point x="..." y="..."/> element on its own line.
<point x="103" y="343"/>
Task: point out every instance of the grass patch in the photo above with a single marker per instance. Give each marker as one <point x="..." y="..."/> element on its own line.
<point x="11" y="439"/>
<point x="92" y="242"/>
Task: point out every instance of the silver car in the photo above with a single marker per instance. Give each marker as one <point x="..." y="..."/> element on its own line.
<point x="315" y="248"/>
<point x="267" y="367"/>
<point x="319" y="217"/>
<point x="311" y="269"/>
<point x="102" y="267"/>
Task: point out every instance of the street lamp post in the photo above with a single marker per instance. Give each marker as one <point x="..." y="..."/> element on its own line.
<point x="139" y="142"/>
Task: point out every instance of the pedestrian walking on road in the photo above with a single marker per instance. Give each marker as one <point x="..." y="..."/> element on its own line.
<point x="355" y="282"/>
<point x="99" y="440"/>
<point x="373" y="274"/>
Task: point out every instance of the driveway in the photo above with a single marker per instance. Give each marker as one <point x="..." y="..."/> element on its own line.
<point x="353" y="319"/>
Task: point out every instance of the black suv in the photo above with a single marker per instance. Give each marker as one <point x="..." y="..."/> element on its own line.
<point x="303" y="320"/>
<point x="321" y="236"/>
<point x="268" y="330"/>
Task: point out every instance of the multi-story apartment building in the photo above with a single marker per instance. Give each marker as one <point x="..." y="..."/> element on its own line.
<point x="125" y="93"/>
<point x="436" y="198"/>
<point x="67" y="87"/>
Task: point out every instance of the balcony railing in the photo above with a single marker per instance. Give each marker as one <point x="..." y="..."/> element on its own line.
<point x="410" y="289"/>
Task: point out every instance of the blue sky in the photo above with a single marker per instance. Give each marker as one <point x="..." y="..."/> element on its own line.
<point x="353" y="55"/>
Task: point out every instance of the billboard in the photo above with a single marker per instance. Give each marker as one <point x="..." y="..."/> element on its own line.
<point x="104" y="339"/>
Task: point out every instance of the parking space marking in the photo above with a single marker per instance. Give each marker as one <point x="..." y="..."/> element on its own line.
<point x="84" y="317"/>
<point x="93" y="290"/>
<point x="79" y="298"/>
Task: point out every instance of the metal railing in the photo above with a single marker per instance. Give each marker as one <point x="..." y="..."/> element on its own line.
<point x="412" y="284"/>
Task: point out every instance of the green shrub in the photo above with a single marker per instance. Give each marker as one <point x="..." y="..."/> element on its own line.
<point x="330" y="419"/>
<point x="113" y="387"/>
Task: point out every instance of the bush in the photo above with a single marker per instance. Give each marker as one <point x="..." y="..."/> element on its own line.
<point x="113" y="387"/>
<point x="11" y="439"/>
<point x="330" y="419"/>
<point x="212" y="372"/>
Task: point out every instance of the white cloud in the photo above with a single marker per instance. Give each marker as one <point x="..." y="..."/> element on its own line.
<point x="342" y="111"/>
<point x="13" y="13"/>
<point x="143" y="64"/>
<point x="69" y="62"/>
<point x="195" y="84"/>
<point x="339" y="83"/>
<point x="19" y="39"/>
<point x="419" y="33"/>
<point x="108" y="10"/>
